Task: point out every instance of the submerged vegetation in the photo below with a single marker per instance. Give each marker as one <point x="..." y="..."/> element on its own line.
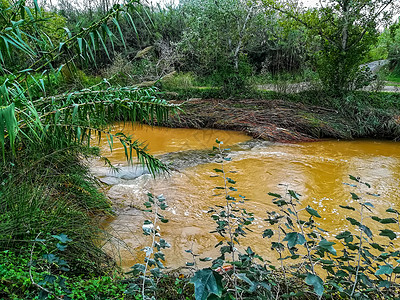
<point x="68" y="72"/>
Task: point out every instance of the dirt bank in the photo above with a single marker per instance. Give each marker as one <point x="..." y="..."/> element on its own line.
<point x="272" y="120"/>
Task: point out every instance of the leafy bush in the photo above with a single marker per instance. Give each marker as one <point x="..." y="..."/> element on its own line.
<point x="179" y="81"/>
<point x="19" y="271"/>
<point x="364" y="267"/>
<point x="232" y="82"/>
<point x="144" y="276"/>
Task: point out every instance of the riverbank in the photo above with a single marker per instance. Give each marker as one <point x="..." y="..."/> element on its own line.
<point x="289" y="121"/>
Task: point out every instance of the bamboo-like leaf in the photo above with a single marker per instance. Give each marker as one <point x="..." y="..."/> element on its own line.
<point x="109" y="33"/>
<point x="68" y="32"/>
<point x="8" y="126"/>
<point x="80" y="45"/>
<point x="92" y="38"/>
<point x="104" y="45"/>
<point x="120" y="31"/>
<point x="28" y="11"/>
<point x="37" y="9"/>
<point x="129" y="20"/>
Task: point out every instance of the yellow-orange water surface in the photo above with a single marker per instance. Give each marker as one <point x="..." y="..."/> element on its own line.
<point x="317" y="171"/>
<point x="162" y="140"/>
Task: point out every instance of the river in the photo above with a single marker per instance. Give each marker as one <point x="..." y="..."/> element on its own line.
<point x="315" y="170"/>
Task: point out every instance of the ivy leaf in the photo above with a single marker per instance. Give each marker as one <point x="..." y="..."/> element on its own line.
<point x="61" y="247"/>
<point x="294" y="194"/>
<point x="51" y="258"/>
<point x="279" y="203"/>
<point x="346" y="235"/>
<point x="156" y="272"/>
<point x="353" y="221"/>
<point x="278" y="246"/>
<point x="391" y="210"/>
<point x="347" y="207"/>
<point x="377" y="246"/>
<point x="63" y="238"/>
<point x="312" y="212"/>
<point x="354" y="178"/>
<point x="366" y="230"/>
<point x="159" y="255"/>
<point x="243" y="277"/>
<point x="50" y="279"/>
<point x="275" y="195"/>
<point x="230" y="180"/>
<point x="388" y="221"/>
<point x="386" y="269"/>
<point x="294" y="238"/>
<point x="218" y="244"/>
<point x="343" y="235"/>
<point x="268" y="233"/>
<point x="207" y="282"/>
<point x="206" y="259"/>
<point x="387" y="232"/>
<point x="316" y="282"/>
<point x="341" y="273"/>
<point x="326" y="245"/>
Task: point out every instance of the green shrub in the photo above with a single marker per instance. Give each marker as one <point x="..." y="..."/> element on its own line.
<point x="17" y="268"/>
<point x="179" y="81"/>
<point x="364" y="266"/>
<point x="232" y="82"/>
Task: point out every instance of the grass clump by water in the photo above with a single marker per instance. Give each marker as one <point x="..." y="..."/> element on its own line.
<point x="56" y="196"/>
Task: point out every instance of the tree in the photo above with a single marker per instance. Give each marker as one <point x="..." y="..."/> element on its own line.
<point x="278" y="43"/>
<point x="393" y="46"/>
<point x="346" y="30"/>
<point x="215" y="30"/>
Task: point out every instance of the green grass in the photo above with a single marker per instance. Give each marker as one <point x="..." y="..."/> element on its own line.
<point x="388" y="83"/>
<point x="284" y="77"/>
<point x="15" y="280"/>
<point x="393" y="78"/>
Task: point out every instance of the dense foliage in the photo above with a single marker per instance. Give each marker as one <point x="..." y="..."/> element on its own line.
<point x="47" y="129"/>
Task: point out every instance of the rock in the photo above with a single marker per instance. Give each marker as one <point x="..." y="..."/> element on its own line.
<point x="129" y="172"/>
<point x="109" y="180"/>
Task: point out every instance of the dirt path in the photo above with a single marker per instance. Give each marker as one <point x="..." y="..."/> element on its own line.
<point x="304" y="86"/>
<point x="375" y="66"/>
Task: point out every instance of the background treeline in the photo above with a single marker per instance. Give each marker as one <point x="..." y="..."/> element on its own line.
<point x="233" y="43"/>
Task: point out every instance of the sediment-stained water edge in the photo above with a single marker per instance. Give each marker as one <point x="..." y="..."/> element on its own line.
<point x="315" y="170"/>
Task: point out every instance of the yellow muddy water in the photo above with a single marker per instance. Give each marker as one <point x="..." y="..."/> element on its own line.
<point x="317" y="171"/>
<point x="160" y="140"/>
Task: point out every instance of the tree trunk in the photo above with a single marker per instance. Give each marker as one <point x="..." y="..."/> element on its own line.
<point x="241" y="34"/>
